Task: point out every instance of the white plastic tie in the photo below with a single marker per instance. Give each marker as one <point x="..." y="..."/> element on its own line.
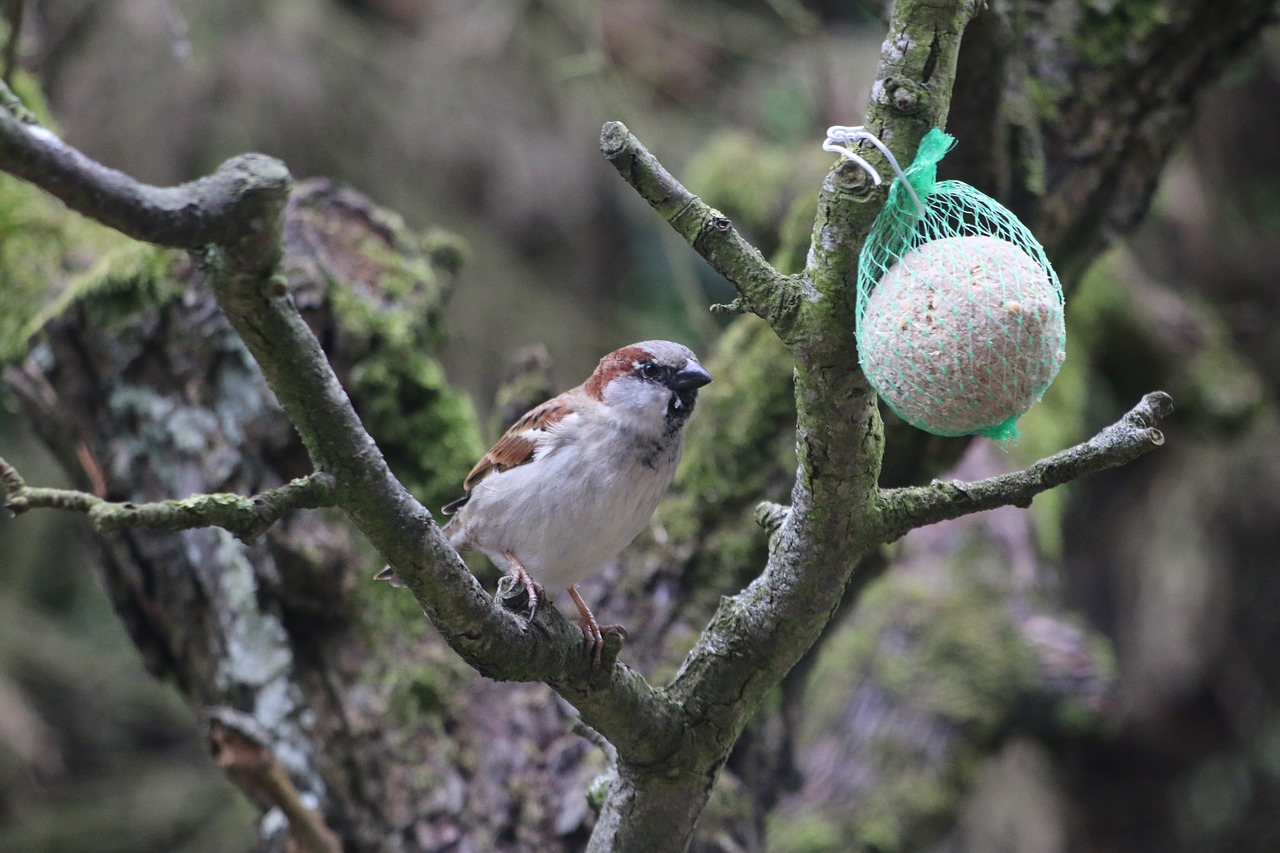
<point x="841" y="139"/>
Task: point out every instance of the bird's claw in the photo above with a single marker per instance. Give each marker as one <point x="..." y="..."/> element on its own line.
<point x="531" y="587"/>
<point x="593" y="639"/>
<point x="592" y="632"/>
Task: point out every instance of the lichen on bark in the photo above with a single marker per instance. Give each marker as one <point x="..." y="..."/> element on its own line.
<point x="672" y="743"/>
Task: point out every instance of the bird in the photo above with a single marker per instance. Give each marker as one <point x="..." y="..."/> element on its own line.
<point x="577" y="478"/>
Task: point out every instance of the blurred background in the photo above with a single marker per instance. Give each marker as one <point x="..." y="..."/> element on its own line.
<point x="483" y="118"/>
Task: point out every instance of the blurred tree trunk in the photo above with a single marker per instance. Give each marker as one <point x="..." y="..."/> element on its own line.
<point x="144" y="393"/>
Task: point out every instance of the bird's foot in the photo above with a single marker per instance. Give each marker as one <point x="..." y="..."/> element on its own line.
<point x="531" y="587"/>
<point x="593" y="632"/>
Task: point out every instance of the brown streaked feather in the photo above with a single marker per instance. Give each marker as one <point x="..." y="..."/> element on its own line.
<point x="510" y="451"/>
<point x="516" y="446"/>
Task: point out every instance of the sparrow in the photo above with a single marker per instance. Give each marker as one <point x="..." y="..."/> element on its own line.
<point x="575" y="480"/>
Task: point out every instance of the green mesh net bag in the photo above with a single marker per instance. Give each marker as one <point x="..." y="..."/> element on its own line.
<point x="960" y="315"/>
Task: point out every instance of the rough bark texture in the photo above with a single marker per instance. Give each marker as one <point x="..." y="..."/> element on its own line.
<point x="1013" y="87"/>
<point x="145" y="393"/>
<point x="395" y="742"/>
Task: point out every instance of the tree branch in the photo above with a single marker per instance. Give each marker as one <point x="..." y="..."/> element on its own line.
<point x="241" y="749"/>
<point x="911" y="95"/>
<point x="247" y="518"/>
<point x="765" y="292"/>
<point x="228" y="208"/>
<point x="1135" y="434"/>
<point x="238" y="211"/>
<point x="758" y="635"/>
<point x="619" y="703"/>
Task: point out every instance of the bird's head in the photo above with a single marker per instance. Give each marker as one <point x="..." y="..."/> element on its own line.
<point x="653" y="384"/>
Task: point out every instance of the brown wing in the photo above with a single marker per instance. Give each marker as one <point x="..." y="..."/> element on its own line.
<point x="515" y="448"/>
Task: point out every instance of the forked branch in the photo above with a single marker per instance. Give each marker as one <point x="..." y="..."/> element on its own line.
<point x="232" y="221"/>
<point x="228" y="208"/>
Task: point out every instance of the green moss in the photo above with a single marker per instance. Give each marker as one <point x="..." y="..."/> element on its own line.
<point x="744" y="428"/>
<point x="962" y="658"/>
<point x="805" y="833"/>
<point x="1103" y="655"/>
<point x="1045" y="98"/>
<point x="127" y="280"/>
<point x="1142" y="337"/>
<point x="717" y="174"/>
<point x="598" y="790"/>
<point x="387" y="292"/>
<point x="1221" y="385"/>
<point x="756" y="183"/>
<point x="421" y="711"/>
<point x="888" y="827"/>
<point x="48" y="253"/>
<point x="29" y="260"/>
<point x="44" y="267"/>
<point x="882" y="825"/>
<point x="935" y="647"/>
<point x="399" y="307"/>
<point x="428" y="691"/>
<point x="940" y="644"/>
<point x="389" y="611"/>
<point x="447" y="251"/>
<point x="794" y="236"/>
<point x="422" y="684"/>
<point x="427" y="431"/>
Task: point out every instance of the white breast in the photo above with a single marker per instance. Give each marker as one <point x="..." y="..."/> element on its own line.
<point x="573" y="508"/>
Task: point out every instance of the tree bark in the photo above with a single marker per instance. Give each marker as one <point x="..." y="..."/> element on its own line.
<point x="391" y="740"/>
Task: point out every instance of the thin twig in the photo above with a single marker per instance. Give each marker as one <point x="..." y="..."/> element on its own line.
<point x="905" y="509"/>
<point x="247" y="518"/>
<point x="765" y="291"/>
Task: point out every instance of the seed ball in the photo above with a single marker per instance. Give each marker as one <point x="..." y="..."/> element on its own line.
<point x="962" y="334"/>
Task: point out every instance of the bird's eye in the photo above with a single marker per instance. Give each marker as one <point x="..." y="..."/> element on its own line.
<point x="649" y="370"/>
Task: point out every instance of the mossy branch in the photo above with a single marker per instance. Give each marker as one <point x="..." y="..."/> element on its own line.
<point x="910" y="96"/>
<point x="905" y="509"/>
<point x="232" y="221"/>
<point x="758" y="635"/>
<point x="764" y="291"/>
<point x="247" y="518"/>
<point x="618" y="702"/>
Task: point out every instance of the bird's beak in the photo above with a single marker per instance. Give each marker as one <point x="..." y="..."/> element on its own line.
<point x="690" y="376"/>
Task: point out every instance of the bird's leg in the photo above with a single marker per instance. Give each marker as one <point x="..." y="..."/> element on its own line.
<point x="592" y="632"/>
<point x="531" y="586"/>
